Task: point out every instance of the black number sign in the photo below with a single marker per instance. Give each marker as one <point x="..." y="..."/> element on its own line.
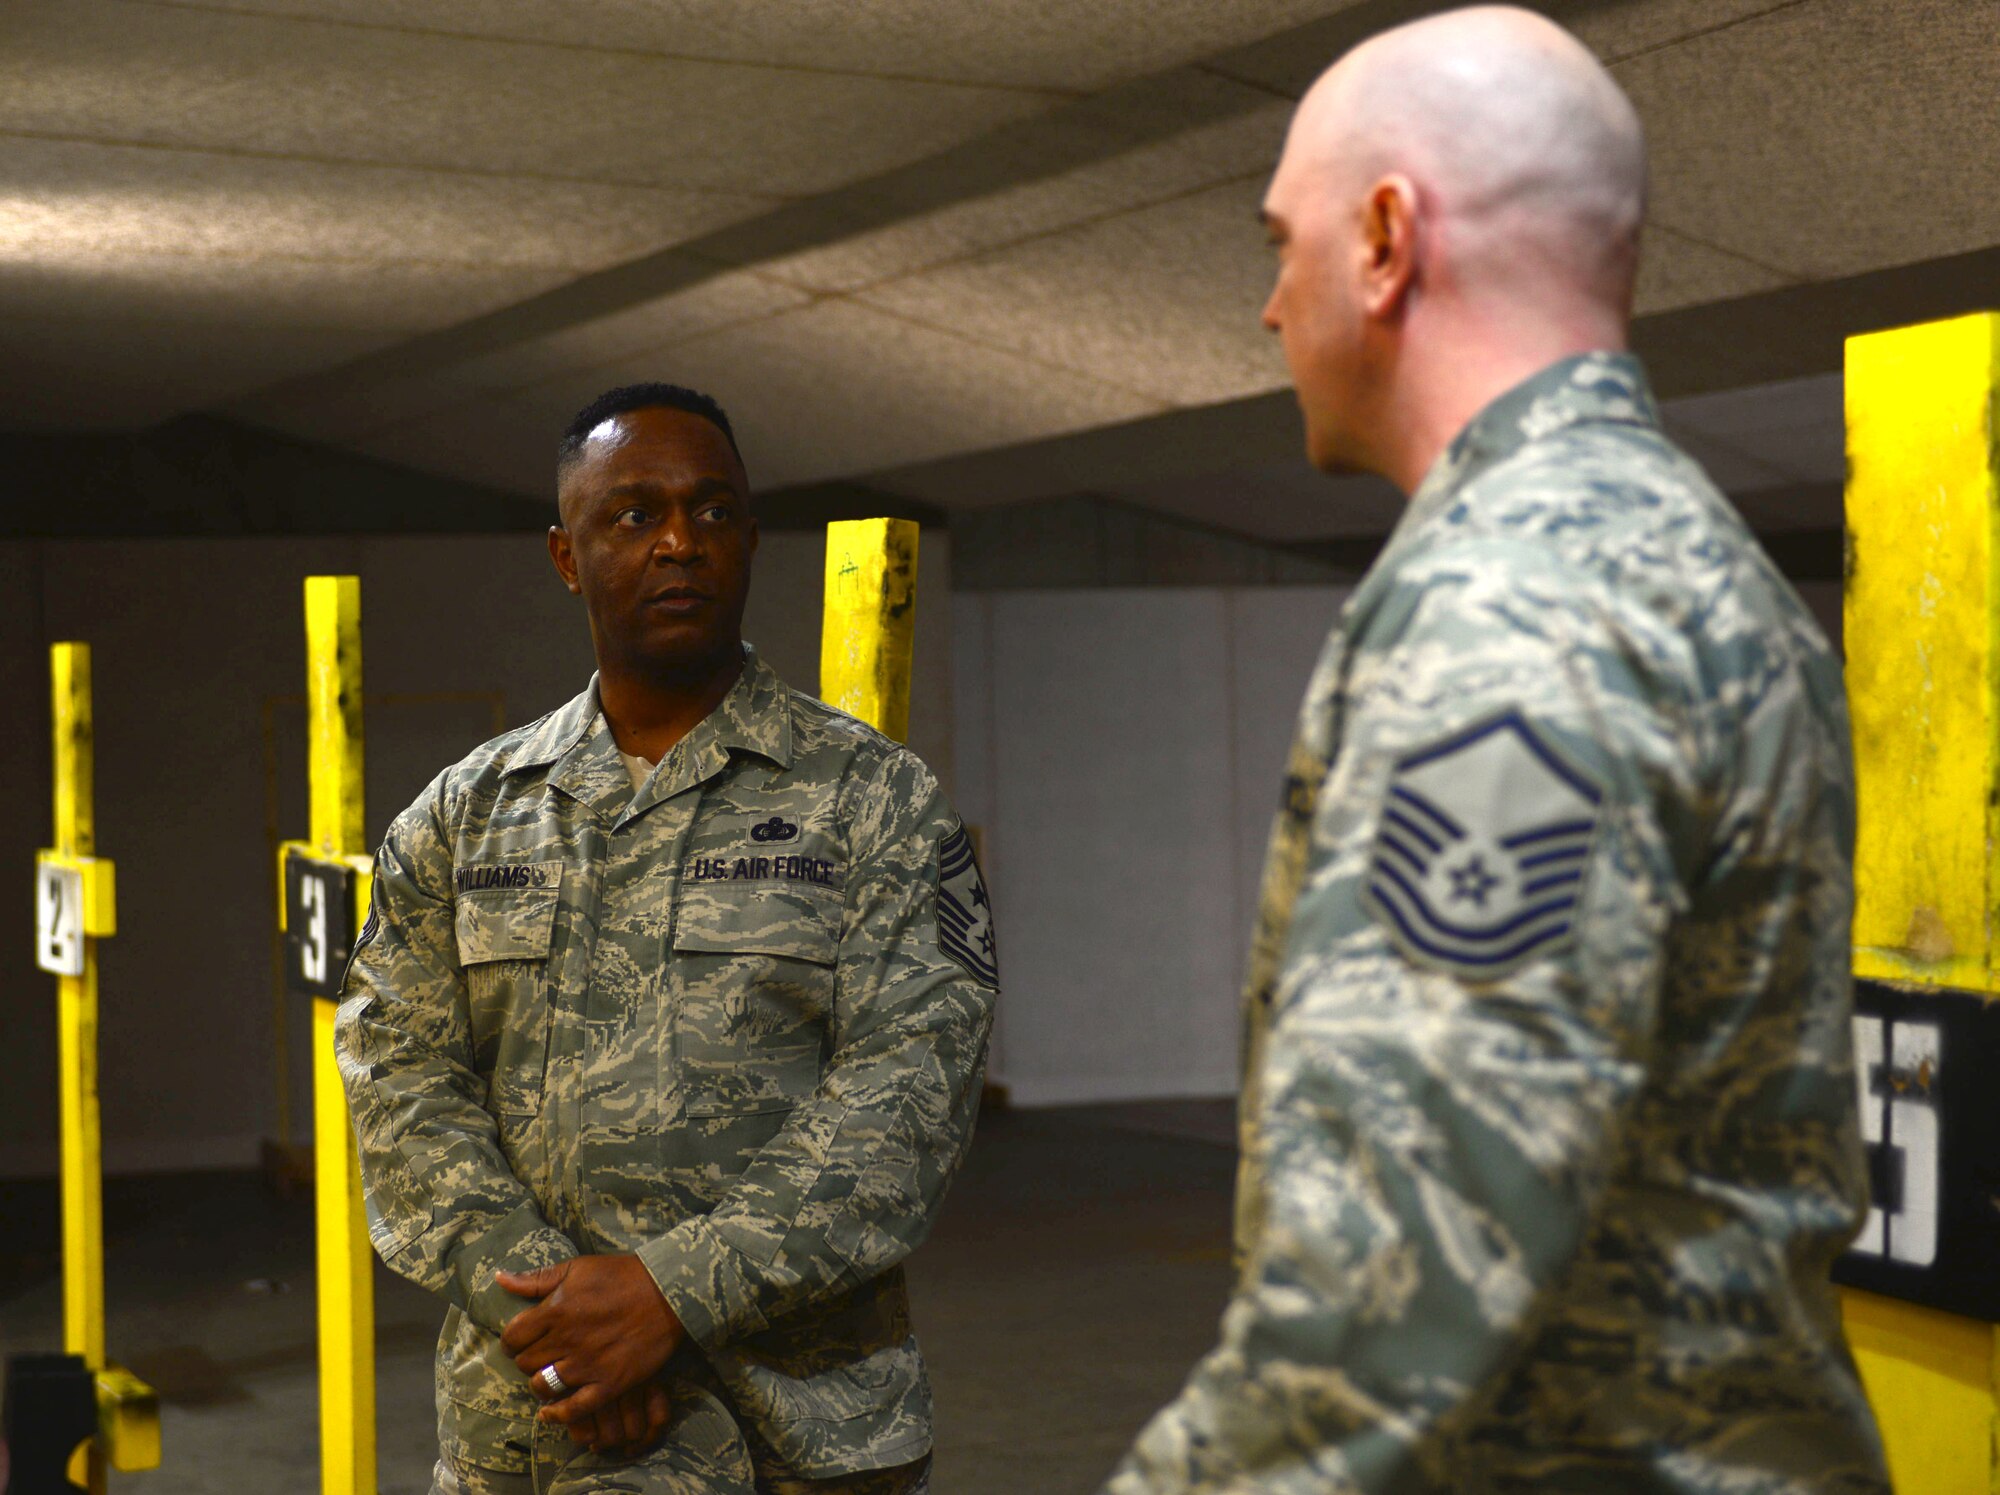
<point x="1930" y="1120"/>
<point x="319" y="924"/>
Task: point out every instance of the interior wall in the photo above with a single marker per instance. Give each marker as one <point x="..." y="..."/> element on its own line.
<point x="199" y="658"/>
<point x="1121" y="751"/>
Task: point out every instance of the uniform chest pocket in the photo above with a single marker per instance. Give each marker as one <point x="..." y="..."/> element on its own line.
<point x="754" y="966"/>
<point x="505" y="939"/>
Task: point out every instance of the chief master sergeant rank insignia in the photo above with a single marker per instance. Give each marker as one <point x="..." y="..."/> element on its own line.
<point x="964" y="914"/>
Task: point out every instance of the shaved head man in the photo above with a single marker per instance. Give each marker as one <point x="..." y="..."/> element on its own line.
<point x="1458" y="206"/>
<point x="1549" y="1112"/>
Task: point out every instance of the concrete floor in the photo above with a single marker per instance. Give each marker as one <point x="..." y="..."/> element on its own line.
<point x="1079" y="1270"/>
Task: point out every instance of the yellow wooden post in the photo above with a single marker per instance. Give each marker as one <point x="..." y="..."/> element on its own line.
<point x="82" y="1144"/>
<point x="346" y="1264"/>
<point x="1923" y="675"/>
<point x="870" y="621"/>
<point x="77" y="893"/>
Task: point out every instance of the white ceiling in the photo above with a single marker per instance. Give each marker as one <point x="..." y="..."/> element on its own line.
<point x="886" y="233"/>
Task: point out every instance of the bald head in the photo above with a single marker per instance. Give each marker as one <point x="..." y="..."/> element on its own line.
<point x="1457" y="206"/>
<point x="1529" y="157"/>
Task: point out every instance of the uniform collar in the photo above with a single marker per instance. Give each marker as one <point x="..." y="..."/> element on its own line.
<point x="756" y="715"/>
<point x="576" y="744"/>
<point x="1589" y="387"/>
<point x="556" y="733"/>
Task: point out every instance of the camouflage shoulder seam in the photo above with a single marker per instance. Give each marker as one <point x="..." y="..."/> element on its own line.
<point x="816" y="720"/>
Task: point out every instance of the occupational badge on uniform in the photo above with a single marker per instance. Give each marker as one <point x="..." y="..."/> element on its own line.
<point x="964" y="914"/>
<point x="1484" y="845"/>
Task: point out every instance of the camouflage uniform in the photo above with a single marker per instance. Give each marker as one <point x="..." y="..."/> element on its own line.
<point x="1550" y="1127"/>
<point x="733" y="1022"/>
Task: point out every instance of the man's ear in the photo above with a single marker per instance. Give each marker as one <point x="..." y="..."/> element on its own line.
<point x="564" y="557"/>
<point x="1389" y="237"/>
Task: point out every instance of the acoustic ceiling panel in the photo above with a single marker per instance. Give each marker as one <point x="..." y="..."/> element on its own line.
<point x="162" y="74"/>
<point x="644" y="336"/>
<point x="82" y="203"/>
<point x="1180" y="134"/>
<point x="1177" y="322"/>
<point x="1051" y="44"/>
<point x="790" y="387"/>
<point x="1830" y="137"/>
<point x="1675" y="270"/>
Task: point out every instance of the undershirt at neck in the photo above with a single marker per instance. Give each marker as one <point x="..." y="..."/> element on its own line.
<point x="639" y="768"/>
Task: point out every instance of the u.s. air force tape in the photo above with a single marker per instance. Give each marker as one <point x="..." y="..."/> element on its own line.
<point x="1483" y="849"/>
<point x="964" y="913"/>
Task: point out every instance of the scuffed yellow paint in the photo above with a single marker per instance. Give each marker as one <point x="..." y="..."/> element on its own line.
<point x="869" y="625"/>
<point x="1922" y="666"/>
<point x="1922" y="617"/>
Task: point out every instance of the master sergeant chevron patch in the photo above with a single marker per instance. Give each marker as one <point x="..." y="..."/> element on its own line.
<point x="1482" y="855"/>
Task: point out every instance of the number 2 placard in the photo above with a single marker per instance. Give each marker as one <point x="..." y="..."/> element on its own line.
<point x="58" y="919"/>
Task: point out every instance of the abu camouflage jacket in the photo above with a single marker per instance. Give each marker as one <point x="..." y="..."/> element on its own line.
<point x="734" y="1023"/>
<point x="1550" y="1116"/>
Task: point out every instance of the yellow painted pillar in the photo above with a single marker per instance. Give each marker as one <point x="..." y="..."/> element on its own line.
<point x="346" y="1262"/>
<point x="1922" y="615"/>
<point x="76" y="907"/>
<point x="870" y="620"/>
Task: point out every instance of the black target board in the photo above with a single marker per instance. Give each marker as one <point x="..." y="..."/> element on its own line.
<point x="319" y="924"/>
<point x="1927" y="1070"/>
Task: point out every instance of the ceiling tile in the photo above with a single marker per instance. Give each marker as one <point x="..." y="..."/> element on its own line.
<point x="1831" y="137"/>
<point x="253" y="250"/>
<point x="172" y="334"/>
<point x="119" y="371"/>
<point x="829" y="391"/>
<point x="243" y="298"/>
<point x="65" y="203"/>
<point x="1622" y="30"/>
<point x="1242" y="139"/>
<point x="1676" y="271"/>
<point x="1163" y="301"/>
<point x="164" y="75"/>
<point x="520" y="369"/>
<point x="1043" y="43"/>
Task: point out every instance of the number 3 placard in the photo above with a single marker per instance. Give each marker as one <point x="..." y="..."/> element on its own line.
<point x="319" y="924"/>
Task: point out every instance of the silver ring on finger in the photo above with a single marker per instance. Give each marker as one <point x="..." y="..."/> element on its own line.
<point x="555" y="1383"/>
